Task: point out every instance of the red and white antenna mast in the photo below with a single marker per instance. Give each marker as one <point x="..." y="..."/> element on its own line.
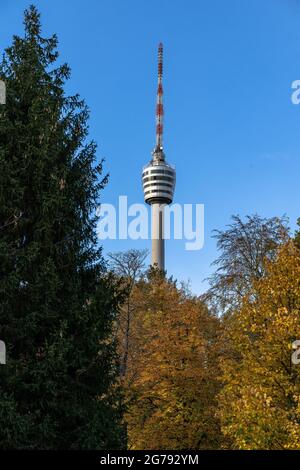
<point x="159" y="102"/>
<point x="158" y="178"/>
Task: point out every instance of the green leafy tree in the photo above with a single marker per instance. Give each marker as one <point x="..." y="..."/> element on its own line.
<point x="57" y="304"/>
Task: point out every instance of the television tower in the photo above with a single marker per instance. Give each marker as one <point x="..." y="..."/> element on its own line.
<point x="158" y="178"/>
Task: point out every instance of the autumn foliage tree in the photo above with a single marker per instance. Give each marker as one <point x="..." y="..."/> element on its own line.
<point x="297" y="235"/>
<point x="172" y="375"/>
<point x="260" y="402"/>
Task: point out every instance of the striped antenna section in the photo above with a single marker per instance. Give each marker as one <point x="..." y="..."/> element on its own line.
<point x="159" y="101"/>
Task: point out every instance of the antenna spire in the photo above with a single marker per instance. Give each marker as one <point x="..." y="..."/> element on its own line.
<point x="159" y="101"/>
<point x="158" y="188"/>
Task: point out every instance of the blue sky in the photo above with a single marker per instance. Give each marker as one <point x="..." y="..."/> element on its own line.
<point x="231" y="129"/>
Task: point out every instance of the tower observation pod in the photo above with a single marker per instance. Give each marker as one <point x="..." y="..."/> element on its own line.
<point x="158" y="178"/>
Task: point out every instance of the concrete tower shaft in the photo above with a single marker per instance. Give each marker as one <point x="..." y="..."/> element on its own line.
<point x="158" y="177"/>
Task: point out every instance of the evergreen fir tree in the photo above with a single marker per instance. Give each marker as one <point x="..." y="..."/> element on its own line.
<point x="57" y="304"/>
